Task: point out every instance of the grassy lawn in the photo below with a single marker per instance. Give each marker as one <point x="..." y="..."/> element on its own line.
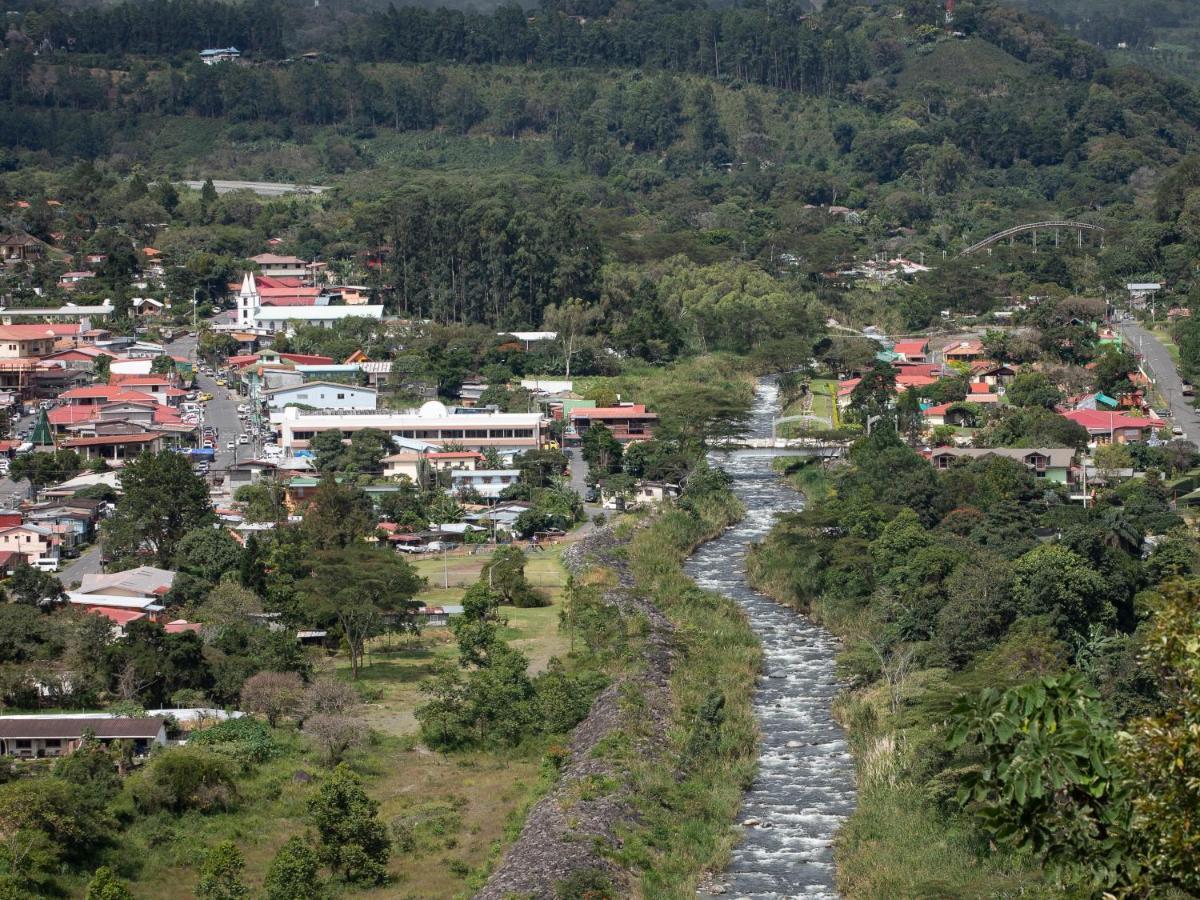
<point x="824" y="390"/>
<point x="460" y="810"/>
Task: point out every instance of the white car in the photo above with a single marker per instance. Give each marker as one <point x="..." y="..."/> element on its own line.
<point x="243" y="439"/>
<point x="230" y="445"/>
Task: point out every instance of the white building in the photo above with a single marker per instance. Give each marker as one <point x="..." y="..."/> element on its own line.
<point x="323" y="395"/>
<point x="251" y="314"/>
<point x="432" y="423"/>
<point x="488" y="483"/>
<point x="220" y="54"/>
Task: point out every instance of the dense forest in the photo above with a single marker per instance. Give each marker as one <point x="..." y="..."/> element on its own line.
<point x="698" y="143"/>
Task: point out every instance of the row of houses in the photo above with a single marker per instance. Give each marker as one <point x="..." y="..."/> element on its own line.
<point x="43" y="534"/>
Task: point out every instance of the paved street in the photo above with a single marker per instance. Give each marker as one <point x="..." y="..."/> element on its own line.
<point x="1161" y="368"/>
<point x="220" y="412"/>
<point x="88" y="563"/>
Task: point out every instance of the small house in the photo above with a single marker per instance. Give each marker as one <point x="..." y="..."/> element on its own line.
<point x="39" y="737"/>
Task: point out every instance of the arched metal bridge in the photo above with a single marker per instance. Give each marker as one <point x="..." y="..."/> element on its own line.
<point x="1035" y="227"/>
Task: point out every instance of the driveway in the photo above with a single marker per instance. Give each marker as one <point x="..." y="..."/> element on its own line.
<point x="1161" y="368"/>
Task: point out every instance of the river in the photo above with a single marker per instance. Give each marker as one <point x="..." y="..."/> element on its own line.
<point x="805" y="783"/>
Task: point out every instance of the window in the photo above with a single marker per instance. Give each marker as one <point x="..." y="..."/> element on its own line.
<point x="341" y="396"/>
<point x="24" y="744"/>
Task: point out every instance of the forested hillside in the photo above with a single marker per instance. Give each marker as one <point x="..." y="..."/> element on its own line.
<point x="746" y="138"/>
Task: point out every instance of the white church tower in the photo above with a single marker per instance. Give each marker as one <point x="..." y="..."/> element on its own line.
<point x="248" y="302"/>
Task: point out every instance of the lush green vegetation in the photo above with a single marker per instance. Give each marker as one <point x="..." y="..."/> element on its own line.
<point x="942" y="585"/>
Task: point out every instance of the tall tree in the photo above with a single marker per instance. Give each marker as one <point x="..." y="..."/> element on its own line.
<point x="571" y="319"/>
<point x="163" y="500"/>
<point x="352" y="840"/>
<point x="356" y="589"/>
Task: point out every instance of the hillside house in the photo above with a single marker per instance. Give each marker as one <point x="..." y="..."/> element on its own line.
<point x="1114" y="427"/>
<point x="488" y="483"/>
<point x="36" y="542"/>
<point x="21" y="248"/>
<point x="627" y="423"/>
<point x="963" y="351"/>
<point x="26" y="341"/>
<point x="324" y="395"/>
<point x="914" y="351"/>
<point x="216" y="55"/>
<point x="38" y="737"/>
<point x="116" y="448"/>
<point x="1049" y="463"/>
<point x="276" y="266"/>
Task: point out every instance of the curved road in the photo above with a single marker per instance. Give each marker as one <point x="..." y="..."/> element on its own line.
<point x="1161" y="367"/>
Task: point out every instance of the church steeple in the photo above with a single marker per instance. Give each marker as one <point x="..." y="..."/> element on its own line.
<point x="248" y="302"/>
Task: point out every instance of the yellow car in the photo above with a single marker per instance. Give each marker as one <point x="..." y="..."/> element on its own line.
<point x="221" y="383"/>
<point x="204" y="398"/>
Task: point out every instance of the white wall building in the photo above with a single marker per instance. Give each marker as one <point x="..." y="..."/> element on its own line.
<point x="489" y="483"/>
<point x="432" y="423"/>
<point x="323" y="395"/>
<point x="251" y="314"/>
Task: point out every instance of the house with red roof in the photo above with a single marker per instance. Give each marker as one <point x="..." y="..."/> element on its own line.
<point x="116" y="448"/>
<point x="275" y="265"/>
<point x="963" y="351"/>
<point x="1105" y="427"/>
<point x="23" y="341"/>
<point x="912" y="351"/>
<point x="628" y="424"/>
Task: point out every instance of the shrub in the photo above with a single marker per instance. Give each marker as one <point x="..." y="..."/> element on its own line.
<point x="106" y="886"/>
<point x="334" y="735"/>
<point x="183" y="779"/>
<point x="221" y="874"/>
<point x="272" y="694"/>
<point x="246" y="740"/>
<point x="295" y="873"/>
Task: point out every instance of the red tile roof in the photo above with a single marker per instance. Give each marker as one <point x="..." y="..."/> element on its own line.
<point x="180" y="625"/>
<point x="455" y="454"/>
<point x="1099" y="420"/>
<point x="911" y="348"/>
<point x="91" y="392"/>
<point x="71" y="415"/>
<point x="307" y="359"/>
<point x="31" y="332"/>
<point x="117" y="615"/>
<point x="139" y="380"/>
<point x="964" y="348"/>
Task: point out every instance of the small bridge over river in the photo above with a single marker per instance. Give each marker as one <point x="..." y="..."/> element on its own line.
<point x="1035" y="227"/>
<point x="790" y="446"/>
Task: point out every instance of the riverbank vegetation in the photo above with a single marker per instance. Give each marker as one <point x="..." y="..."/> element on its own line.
<point x="994" y="634"/>
<point x="689" y="794"/>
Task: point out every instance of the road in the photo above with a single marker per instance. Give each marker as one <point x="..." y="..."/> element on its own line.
<point x="88" y="563"/>
<point x="220" y="412"/>
<point x="1161" y="368"/>
<point x="262" y="188"/>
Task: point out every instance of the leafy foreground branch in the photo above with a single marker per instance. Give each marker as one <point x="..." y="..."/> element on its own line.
<point x="672" y="740"/>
